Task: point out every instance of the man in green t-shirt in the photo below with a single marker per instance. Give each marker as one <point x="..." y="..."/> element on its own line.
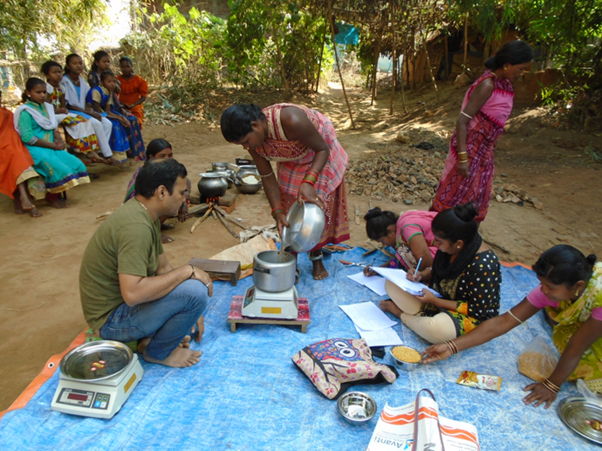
<point x="128" y="289"/>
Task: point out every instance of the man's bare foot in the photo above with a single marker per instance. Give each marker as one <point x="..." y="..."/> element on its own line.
<point x="185" y="343"/>
<point x="179" y="358"/>
<point x="390" y="307"/>
<point x="319" y="271"/>
<point x="200" y="329"/>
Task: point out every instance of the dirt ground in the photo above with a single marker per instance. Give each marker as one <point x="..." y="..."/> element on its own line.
<point x="39" y="299"/>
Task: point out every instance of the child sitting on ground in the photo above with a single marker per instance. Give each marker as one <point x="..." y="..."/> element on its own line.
<point x="134" y="89"/>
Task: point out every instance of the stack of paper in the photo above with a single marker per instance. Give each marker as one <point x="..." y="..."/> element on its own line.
<point x="375" y="283"/>
<point x="400" y="278"/>
<point x="372" y="324"/>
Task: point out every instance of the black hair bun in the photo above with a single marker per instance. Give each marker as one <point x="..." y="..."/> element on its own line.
<point x="373" y="213"/>
<point x="465" y="212"/>
<point x="591" y="259"/>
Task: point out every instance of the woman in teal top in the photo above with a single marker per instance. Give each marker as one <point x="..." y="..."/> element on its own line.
<point x="36" y="123"/>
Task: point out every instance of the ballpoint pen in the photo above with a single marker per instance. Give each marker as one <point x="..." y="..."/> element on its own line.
<point x="417" y="266"/>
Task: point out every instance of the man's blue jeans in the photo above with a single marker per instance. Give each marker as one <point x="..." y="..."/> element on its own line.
<point x="165" y="321"/>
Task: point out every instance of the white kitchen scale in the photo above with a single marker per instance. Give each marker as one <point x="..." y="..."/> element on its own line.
<point x="264" y="304"/>
<point x="96" y="379"/>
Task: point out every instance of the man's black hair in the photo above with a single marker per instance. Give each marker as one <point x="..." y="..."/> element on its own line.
<point x="155" y="173"/>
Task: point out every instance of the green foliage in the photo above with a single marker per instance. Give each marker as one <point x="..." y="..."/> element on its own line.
<point x="273" y="43"/>
<point x="62" y="22"/>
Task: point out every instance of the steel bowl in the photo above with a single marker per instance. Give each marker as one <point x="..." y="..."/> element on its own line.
<point x="356" y="407"/>
<point x="108" y="358"/>
<point x="247" y="169"/>
<point x="274" y="271"/>
<point x="306" y="223"/>
<point x="246" y="187"/>
<point x="406" y="366"/>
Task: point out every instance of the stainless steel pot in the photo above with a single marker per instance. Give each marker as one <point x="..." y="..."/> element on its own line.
<point x="212" y="184"/>
<point x="306" y="224"/>
<point x="274" y="271"/>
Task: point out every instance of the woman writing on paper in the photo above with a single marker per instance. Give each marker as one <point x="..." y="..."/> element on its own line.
<point x="466" y="274"/>
<point x="570" y="290"/>
<point x="410" y="234"/>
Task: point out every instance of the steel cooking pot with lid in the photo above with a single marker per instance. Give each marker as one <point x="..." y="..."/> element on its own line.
<point x="212" y="184"/>
<point x="274" y="271"/>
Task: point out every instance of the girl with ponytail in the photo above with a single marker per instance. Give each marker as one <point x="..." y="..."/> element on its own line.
<point x="466" y="274"/>
<point x="570" y="291"/>
<point x="469" y="168"/>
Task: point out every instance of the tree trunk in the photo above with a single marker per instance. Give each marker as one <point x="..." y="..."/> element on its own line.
<point x="428" y="64"/>
<point x="336" y="57"/>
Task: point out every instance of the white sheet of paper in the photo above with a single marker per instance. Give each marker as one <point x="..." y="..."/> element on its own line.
<point x="399" y="278"/>
<point x="382" y="337"/>
<point x="367" y="316"/>
<point x="375" y="283"/>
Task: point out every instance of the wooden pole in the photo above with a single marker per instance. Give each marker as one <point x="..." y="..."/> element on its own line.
<point x="393" y="78"/>
<point x="465" y="42"/>
<point x="320" y="64"/>
<point x="373" y="74"/>
<point x="336" y="56"/>
<point x="446" y="50"/>
<point x="403" y="94"/>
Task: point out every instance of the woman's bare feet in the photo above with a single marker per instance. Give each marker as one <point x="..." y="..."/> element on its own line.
<point x="390" y="307"/>
<point x="179" y="358"/>
<point x="55" y="200"/>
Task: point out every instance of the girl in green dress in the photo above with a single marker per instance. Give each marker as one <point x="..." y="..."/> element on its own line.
<point x="37" y="124"/>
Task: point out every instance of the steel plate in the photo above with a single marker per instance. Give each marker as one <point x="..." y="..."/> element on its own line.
<point x="96" y="360"/>
<point x="578" y="414"/>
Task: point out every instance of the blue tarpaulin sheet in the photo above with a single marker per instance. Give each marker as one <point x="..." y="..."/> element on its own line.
<point x="246" y="393"/>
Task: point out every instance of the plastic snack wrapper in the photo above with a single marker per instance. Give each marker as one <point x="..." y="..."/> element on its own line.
<point x="483" y="381"/>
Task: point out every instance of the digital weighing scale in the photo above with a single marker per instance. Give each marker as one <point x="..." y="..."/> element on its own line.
<point x="264" y="304"/>
<point x="96" y="379"/>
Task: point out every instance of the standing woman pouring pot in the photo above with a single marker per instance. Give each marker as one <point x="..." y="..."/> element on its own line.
<point x="310" y="164"/>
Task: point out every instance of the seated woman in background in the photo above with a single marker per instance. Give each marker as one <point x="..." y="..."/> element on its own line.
<point x="159" y="149"/>
<point x="37" y="124"/>
<point x="101" y="61"/>
<point x="126" y="137"/>
<point x="409" y="234"/>
<point x="16" y="171"/>
<point x="134" y="89"/>
<point x="466" y="274"/>
<point x="75" y="88"/>
<point x="570" y="285"/>
<point x="79" y="132"/>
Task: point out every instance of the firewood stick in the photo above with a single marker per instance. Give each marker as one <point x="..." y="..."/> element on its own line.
<point x="225" y="224"/>
<point x="229" y="218"/>
<point x="201" y="219"/>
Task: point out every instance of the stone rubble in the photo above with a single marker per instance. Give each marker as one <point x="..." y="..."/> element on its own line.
<point x="400" y="172"/>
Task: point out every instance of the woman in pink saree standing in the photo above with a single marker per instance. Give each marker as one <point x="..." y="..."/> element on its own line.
<point x="469" y="168"/>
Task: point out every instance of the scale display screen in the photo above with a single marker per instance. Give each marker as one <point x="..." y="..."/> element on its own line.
<point x="83" y="398"/>
<point x="77" y="397"/>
